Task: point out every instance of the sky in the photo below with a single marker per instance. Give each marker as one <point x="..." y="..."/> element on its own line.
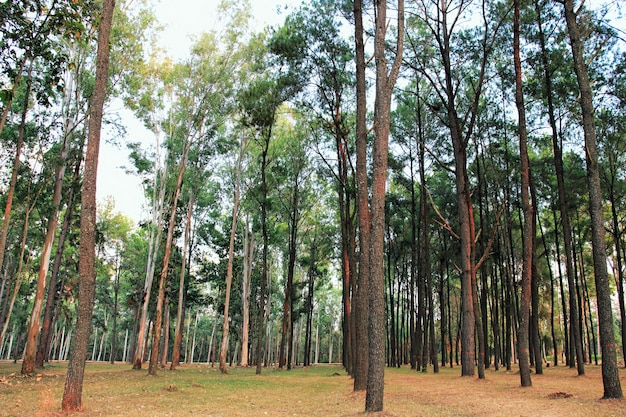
<point x="182" y="19"/>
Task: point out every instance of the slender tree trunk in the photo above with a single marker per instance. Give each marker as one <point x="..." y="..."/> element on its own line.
<point x="535" y="333"/>
<point x="287" y="325"/>
<point x="116" y="290"/>
<point x="610" y="374"/>
<point x="11" y="192"/>
<point x="30" y="350"/>
<point x="154" y="243"/>
<point x="156" y="336"/>
<point x="54" y="288"/>
<point x="16" y="160"/>
<point x="72" y="394"/>
<point x="309" y="303"/>
<point x="229" y="276"/>
<point x="385" y="81"/>
<point x="552" y="296"/>
<point x="248" y="255"/>
<point x="264" y="273"/>
<point x="166" y="331"/>
<point x="178" y="335"/>
<point x="527" y="208"/>
<point x="18" y="274"/>
<point x="361" y="303"/>
<point x="465" y="214"/>
<point x="619" y="276"/>
<point x="575" y="341"/>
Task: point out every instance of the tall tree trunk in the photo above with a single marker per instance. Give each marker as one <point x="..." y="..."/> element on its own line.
<point x="567" y="346"/>
<point x="30" y="350"/>
<point x="265" y="234"/>
<point x="167" y="250"/>
<point x="425" y="286"/>
<point x="293" y="242"/>
<point x="116" y="291"/>
<point x="248" y="255"/>
<point x="178" y="335"/>
<point x="610" y="374"/>
<point x="154" y="243"/>
<point x="309" y="301"/>
<point x="229" y="273"/>
<point x="619" y="276"/>
<point x="361" y="300"/>
<point x="72" y="394"/>
<point x="18" y="273"/>
<point x="575" y="339"/>
<point x="16" y="160"/>
<point x="534" y="320"/>
<point x="527" y="208"/>
<point x="552" y="296"/>
<point x="166" y="332"/>
<point x="287" y="325"/>
<point x="385" y="81"/>
<point x="54" y="287"/>
<point x="465" y="214"/>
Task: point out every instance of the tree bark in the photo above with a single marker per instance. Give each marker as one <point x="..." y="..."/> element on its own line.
<point x="54" y="287"/>
<point x="265" y="234"/>
<point x="72" y="394"/>
<point x="610" y="374"/>
<point x="385" y="81"/>
<point x="30" y="350"/>
<point x="167" y="250"/>
<point x="178" y="335"/>
<point x="527" y="208"/>
<point x="361" y="301"/>
<point x="154" y="244"/>
<point x="229" y="276"/>
<point x="575" y="341"/>
<point x="248" y="255"/>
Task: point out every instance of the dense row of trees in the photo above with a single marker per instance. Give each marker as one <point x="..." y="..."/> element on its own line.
<point x="354" y="185"/>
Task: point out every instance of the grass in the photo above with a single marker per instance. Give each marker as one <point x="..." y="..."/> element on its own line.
<point x="325" y="390"/>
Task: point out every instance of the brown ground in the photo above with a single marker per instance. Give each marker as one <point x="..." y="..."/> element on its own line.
<point x="199" y="390"/>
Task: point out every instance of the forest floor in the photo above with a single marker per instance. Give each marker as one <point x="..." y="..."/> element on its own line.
<point x="323" y="390"/>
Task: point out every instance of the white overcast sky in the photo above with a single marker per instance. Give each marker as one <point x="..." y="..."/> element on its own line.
<point x="182" y="19"/>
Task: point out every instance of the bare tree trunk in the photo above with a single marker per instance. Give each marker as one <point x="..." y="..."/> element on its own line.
<point x="178" y="336"/>
<point x="229" y="270"/>
<point x="30" y="350"/>
<point x="610" y="373"/>
<point x="248" y="255"/>
<point x="116" y="290"/>
<point x="16" y="160"/>
<point x="385" y="81"/>
<point x="154" y="243"/>
<point x="264" y="273"/>
<point x="154" y="355"/>
<point x="54" y="287"/>
<point x="18" y="273"/>
<point x="72" y="395"/>
<point x="575" y="341"/>
<point x="524" y="324"/>
<point x="361" y="296"/>
<point x="166" y="331"/>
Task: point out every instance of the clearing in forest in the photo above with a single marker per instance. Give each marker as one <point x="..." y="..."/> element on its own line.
<point x="324" y="390"/>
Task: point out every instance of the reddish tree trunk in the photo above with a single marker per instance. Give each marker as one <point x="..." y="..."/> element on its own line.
<point x="72" y="394"/>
